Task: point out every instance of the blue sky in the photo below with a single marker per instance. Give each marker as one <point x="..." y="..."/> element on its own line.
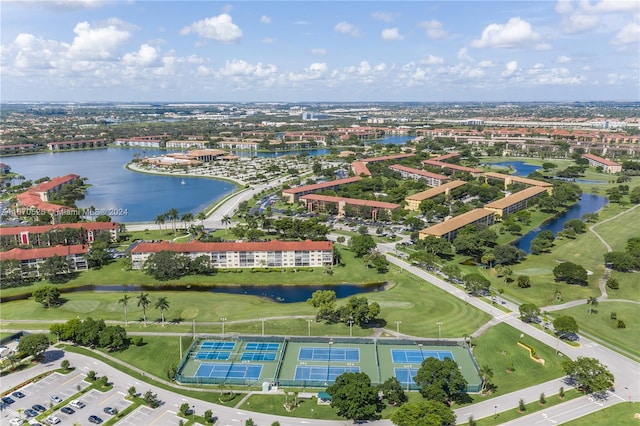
<point x="93" y="50"/>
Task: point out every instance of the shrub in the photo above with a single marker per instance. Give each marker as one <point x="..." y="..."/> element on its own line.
<point x="621" y="324"/>
<point x="613" y="284"/>
<point x="561" y="392"/>
<point x="613" y="316"/>
<point x="543" y="400"/>
<point x="521" y="407"/>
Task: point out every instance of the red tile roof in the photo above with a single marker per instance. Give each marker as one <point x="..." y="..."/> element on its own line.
<point x="600" y="160"/>
<point x="418" y="172"/>
<point x="55" y="182"/>
<point x="318" y="186"/>
<point x="360" y="168"/>
<point x="90" y="226"/>
<point x="451" y="166"/>
<point x="42" y="253"/>
<point x="386" y="157"/>
<point x="202" y="247"/>
<point x="352" y="201"/>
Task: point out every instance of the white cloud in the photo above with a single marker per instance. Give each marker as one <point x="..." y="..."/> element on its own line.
<point x="510" y="68"/>
<point x="383" y="16"/>
<point x="628" y="34"/>
<point x="239" y="68"/>
<point x="579" y="22"/>
<point x="318" y="52"/>
<point x="558" y="77"/>
<point x="96" y="43"/>
<point x="463" y="54"/>
<point x="72" y="4"/>
<point x="435" y="29"/>
<point x="432" y="60"/>
<point x="564" y="6"/>
<point x="268" y="40"/>
<point x="146" y="56"/>
<point x="315" y="71"/>
<point x="265" y="19"/>
<point x="564" y="59"/>
<point x="219" y="28"/>
<point x="486" y="64"/>
<point x="364" y="68"/>
<point x="515" y="33"/>
<point x="348" y="29"/>
<point x="392" y="34"/>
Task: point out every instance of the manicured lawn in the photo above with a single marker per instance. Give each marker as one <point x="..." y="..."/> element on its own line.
<point x="619" y="414"/>
<point x="274" y="404"/>
<point x="629" y="286"/>
<point x="616" y="233"/>
<point x="603" y="327"/>
<point x="498" y="349"/>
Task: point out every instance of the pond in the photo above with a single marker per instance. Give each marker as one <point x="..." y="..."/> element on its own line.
<point x="519" y="168"/>
<point x="279" y="294"/>
<point x="588" y="203"/>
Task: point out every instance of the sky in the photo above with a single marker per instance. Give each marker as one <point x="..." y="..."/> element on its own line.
<point x="323" y="51"/>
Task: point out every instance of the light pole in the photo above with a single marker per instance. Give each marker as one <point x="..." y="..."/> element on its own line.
<point x="350" y="326"/>
<point x="439" y="324"/>
<point x="398" y="328"/>
<point x="495" y="411"/>
<point x="262" y="319"/>
<point x="223" y="320"/>
<point x="309" y="327"/>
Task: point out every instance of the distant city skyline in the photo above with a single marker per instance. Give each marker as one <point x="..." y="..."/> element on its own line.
<point x="327" y="51"/>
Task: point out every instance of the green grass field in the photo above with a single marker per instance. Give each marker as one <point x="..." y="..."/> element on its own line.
<point x="603" y="327"/>
<point x="498" y="349"/>
<point x="620" y="414"/>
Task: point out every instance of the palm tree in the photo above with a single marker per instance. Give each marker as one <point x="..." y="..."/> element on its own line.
<point x="592" y="302"/>
<point x="201" y="217"/>
<point x="172" y="214"/>
<point x="486" y="373"/>
<point x="160" y="220"/>
<point x="226" y="220"/>
<point x="187" y="217"/>
<point x="163" y="304"/>
<point x="144" y="301"/>
<point x="125" y="302"/>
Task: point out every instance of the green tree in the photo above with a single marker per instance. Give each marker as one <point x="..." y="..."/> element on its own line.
<point x="476" y="283"/>
<point x="523" y="281"/>
<point x="565" y="324"/>
<point x="571" y="273"/>
<point x="151" y="399"/>
<point x="125" y="301"/>
<point x="486" y="373"/>
<point x="113" y="338"/>
<point x="144" y="302"/>
<point x="325" y="301"/>
<point x="593" y="303"/>
<point x="48" y="295"/>
<point x="441" y="381"/>
<point x="528" y="312"/>
<point x="424" y="413"/>
<point x="56" y="268"/>
<point x="33" y="344"/>
<point x="354" y="398"/>
<point x="167" y="265"/>
<point x="163" y="304"/>
<point x="362" y="245"/>
<point x="589" y="374"/>
<point x="360" y="310"/>
<point x="392" y="391"/>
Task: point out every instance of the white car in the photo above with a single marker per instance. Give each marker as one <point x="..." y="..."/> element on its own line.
<point x="16" y="421"/>
<point x="77" y="404"/>
<point x="52" y="420"/>
<point x="56" y="399"/>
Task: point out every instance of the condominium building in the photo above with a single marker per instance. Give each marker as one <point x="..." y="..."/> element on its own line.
<point x="32" y="259"/>
<point x="37" y="235"/>
<point x="413" y="201"/>
<point x="607" y="165"/>
<point x="514" y="202"/>
<point x="272" y="254"/>
<point x="433" y="179"/>
<point x="449" y="228"/>
<point x="336" y="205"/>
<point x="510" y="179"/>
<point x="292" y="195"/>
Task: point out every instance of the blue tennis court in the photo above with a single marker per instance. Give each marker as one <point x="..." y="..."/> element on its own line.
<point x="230" y="371"/>
<point x="258" y="356"/>
<point x="416" y="356"/>
<point x="213" y="355"/>
<point x="329" y="354"/>
<point x="322" y="373"/>
<point x="218" y="346"/>
<point x="261" y="346"/>
<point x="405" y="375"/>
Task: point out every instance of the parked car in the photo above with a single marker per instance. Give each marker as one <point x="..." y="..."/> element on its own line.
<point x="56" y="399"/>
<point x="77" y="404"/>
<point x="18" y="394"/>
<point x="95" y="419"/>
<point x="7" y="400"/>
<point x="39" y="408"/>
<point x="110" y="410"/>
<point x="16" y="421"/>
<point x="67" y="410"/>
<point x="30" y="412"/>
<point x="52" y="420"/>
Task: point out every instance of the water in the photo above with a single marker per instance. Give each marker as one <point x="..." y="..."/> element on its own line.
<point x="521" y="168"/>
<point x="127" y="195"/>
<point x="279" y="294"/>
<point x="589" y="203"/>
<point x="394" y="140"/>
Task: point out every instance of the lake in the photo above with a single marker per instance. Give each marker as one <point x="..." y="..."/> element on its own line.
<point x="589" y="203"/>
<point x="140" y="197"/>
<point x="279" y="294"/>
<point x="520" y="167"/>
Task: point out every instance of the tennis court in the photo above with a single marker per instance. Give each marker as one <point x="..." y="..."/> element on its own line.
<point x="322" y="373"/>
<point x="329" y="354"/>
<point x="217" y="345"/>
<point x="229" y="371"/>
<point x="262" y="346"/>
<point x="213" y="355"/>
<point x="258" y="356"/>
<point x="416" y="356"/>
<point x="405" y="375"/>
